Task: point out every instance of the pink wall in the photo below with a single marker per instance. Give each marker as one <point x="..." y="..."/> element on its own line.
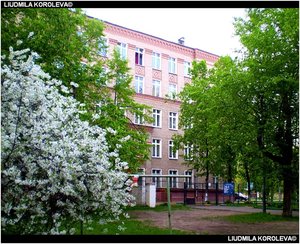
<point x="133" y="39"/>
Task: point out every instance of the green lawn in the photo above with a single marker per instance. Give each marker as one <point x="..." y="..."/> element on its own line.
<point x="133" y="226"/>
<point x="256" y="218"/>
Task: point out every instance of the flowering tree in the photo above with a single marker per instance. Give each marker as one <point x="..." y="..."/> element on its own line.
<point x="56" y="169"/>
<point x="87" y="62"/>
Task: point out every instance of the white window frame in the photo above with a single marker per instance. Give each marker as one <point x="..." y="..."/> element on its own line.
<point x="103" y="46"/>
<point x="156" y="115"/>
<point x="172" y="65"/>
<point x="187" y="67"/>
<point x="156" y="60"/>
<point x="187" y="152"/>
<point x="172" y="155"/>
<point x="138" y="119"/>
<point x="173" y="120"/>
<point x="156" y="153"/>
<point x="139" y="84"/>
<point x="83" y="64"/>
<point x="139" y="53"/>
<point x="189" y="180"/>
<point x="173" y="179"/>
<point x="157" y="180"/>
<point x="172" y="94"/>
<point x="122" y="47"/>
<point x="103" y="75"/>
<point x="156" y="88"/>
<point x="141" y="180"/>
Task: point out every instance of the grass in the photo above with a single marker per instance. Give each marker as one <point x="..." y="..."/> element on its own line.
<point x="160" y="208"/>
<point x="133" y="227"/>
<point x="256" y="218"/>
<point x="240" y="204"/>
<point x="276" y="206"/>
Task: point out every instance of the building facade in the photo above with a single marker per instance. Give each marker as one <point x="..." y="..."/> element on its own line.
<point x="160" y="70"/>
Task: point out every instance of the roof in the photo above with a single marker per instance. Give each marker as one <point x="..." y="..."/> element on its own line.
<point x="107" y="22"/>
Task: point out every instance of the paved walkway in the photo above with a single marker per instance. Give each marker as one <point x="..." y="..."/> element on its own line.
<point x="242" y="209"/>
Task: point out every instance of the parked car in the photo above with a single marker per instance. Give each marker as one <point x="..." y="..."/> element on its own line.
<point x="240" y="196"/>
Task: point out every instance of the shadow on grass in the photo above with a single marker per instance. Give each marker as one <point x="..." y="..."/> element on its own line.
<point x="254" y="218"/>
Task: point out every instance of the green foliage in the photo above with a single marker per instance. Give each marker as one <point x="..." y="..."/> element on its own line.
<point x="271" y="39"/>
<point x="241" y="116"/>
<point x="129" y="227"/>
<point x="55" y="38"/>
<point x="133" y="227"/>
<point x="256" y="218"/>
<point x="68" y="43"/>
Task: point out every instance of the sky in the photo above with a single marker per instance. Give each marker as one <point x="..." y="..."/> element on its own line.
<point x="208" y="29"/>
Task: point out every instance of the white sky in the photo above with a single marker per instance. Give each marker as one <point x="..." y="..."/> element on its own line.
<point x="209" y="29"/>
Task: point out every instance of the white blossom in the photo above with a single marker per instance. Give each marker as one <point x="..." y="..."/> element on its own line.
<point x="19" y="42"/>
<point x="30" y="34"/>
<point x="74" y="84"/>
<point x="110" y="130"/>
<point x="125" y="138"/>
<point x="55" y="167"/>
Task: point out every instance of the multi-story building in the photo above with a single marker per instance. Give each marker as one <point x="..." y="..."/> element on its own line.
<point x="160" y="69"/>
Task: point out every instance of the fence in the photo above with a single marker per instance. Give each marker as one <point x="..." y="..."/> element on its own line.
<point x="183" y="191"/>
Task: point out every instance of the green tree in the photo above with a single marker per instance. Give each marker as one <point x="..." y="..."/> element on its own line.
<point x="271" y="57"/>
<point x="194" y="120"/>
<point x="114" y="111"/>
<point x="207" y="121"/>
<point x="69" y="44"/>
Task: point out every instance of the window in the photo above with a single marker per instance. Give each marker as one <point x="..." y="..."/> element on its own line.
<point x="157" y="180"/>
<point x="139" y="54"/>
<point x="172" y="154"/>
<point x="141" y="180"/>
<point x="83" y="64"/>
<point x="173" y="121"/>
<point x="188" y="124"/>
<point x="156" y="88"/>
<point x="157" y="117"/>
<point x="102" y="46"/>
<point x="187" y="152"/>
<point x="189" y="180"/>
<point x="103" y="76"/>
<point x="156" y="148"/>
<point x="139" y="84"/>
<point x="155" y="60"/>
<point x="138" y="119"/>
<point x="187" y="67"/>
<point x="122" y="47"/>
<point x="173" y="180"/>
<point x="172" y="65"/>
<point x="172" y="91"/>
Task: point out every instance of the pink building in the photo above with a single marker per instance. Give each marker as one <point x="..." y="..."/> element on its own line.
<point x="160" y="69"/>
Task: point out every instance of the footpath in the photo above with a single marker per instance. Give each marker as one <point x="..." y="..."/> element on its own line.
<point x="242" y="209"/>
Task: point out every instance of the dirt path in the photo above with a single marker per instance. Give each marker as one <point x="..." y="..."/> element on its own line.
<point x="200" y="222"/>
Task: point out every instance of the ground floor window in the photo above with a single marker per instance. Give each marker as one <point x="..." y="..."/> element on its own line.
<point x="157" y="180"/>
<point x="173" y="180"/>
<point x="189" y="180"/>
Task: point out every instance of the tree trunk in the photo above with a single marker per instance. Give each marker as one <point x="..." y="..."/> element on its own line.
<point x="287" y="193"/>
<point x="287" y="152"/>
<point x="264" y="193"/>
<point x="229" y="172"/>
<point x="246" y="166"/>
<point x="206" y="182"/>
